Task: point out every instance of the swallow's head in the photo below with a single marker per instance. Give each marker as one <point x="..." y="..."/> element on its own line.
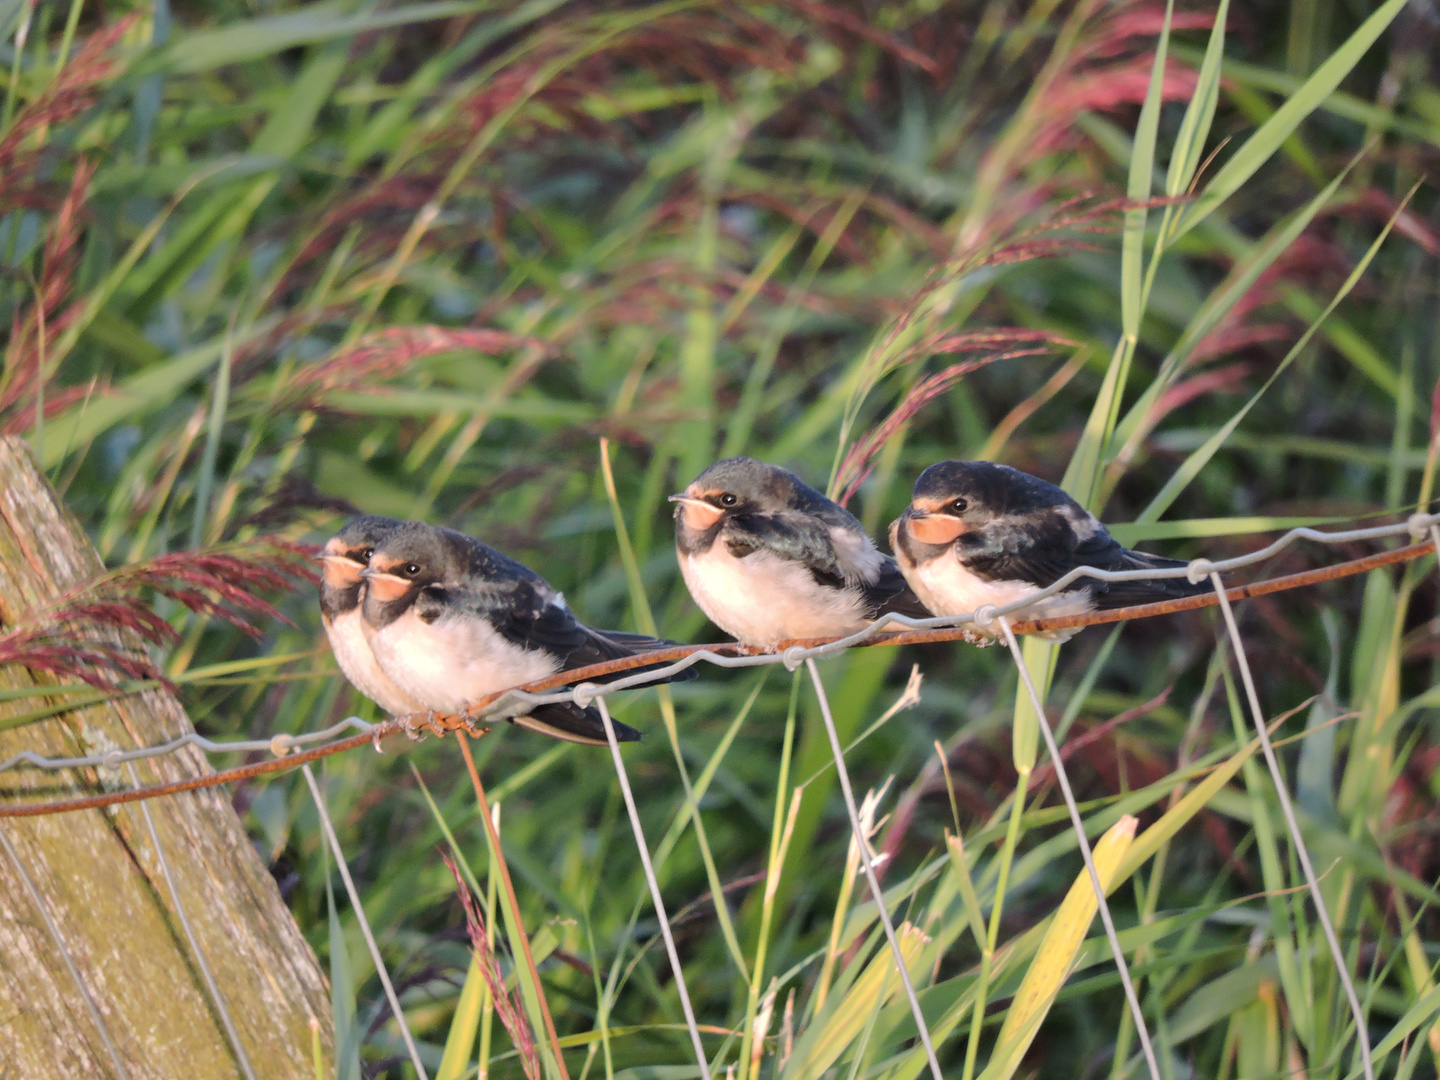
<point x="950" y="499"/>
<point x="410" y="559"/>
<point x="345" y="556"/>
<point x="736" y="487"/>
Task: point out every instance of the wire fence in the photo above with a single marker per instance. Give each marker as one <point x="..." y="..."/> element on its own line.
<point x="988" y="623"/>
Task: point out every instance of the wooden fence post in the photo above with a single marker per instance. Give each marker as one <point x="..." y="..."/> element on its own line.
<point x="97" y="976"/>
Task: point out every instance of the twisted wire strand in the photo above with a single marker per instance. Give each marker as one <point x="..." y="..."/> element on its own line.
<point x="662" y="664"/>
<point x="279" y="745"/>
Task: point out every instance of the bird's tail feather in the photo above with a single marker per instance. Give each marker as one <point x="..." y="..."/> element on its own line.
<point x="1129" y="593"/>
<point x="567" y="721"/>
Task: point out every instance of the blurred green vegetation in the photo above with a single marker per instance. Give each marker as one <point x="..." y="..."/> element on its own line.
<point x="268" y="263"/>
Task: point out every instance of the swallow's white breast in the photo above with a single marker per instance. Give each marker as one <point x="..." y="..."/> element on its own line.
<point x="947" y="586"/>
<point x="763" y="598"/>
<point x="352" y="653"/>
<point x="454" y="661"/>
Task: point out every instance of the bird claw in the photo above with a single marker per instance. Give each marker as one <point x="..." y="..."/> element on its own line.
<point x="473" y="725"/>
<point x="414" y="724"/>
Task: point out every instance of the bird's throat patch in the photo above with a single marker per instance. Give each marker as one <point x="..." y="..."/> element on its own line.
<point x="341" y="571"/>
<point x="386" y="587"/>
<point x="700" y="516"/>
<point x="936" y="529"/>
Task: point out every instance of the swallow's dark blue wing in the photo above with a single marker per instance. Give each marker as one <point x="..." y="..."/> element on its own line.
<point x="795" y="536"/>
<point x="531" y="614"/>
<point x="1043" y="547"/>
<point x="890" y="593"/>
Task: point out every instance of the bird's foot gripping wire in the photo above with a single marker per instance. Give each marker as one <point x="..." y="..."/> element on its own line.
<point x="415" y="724"/>
<point x="474" y="726"/>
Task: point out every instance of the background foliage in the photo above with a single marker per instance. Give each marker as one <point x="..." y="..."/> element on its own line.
<point x="269" y="263"/>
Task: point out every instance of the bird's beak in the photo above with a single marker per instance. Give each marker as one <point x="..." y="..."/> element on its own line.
<point x="384" y="586"/>
<point x="697" y="513"/>
<point x="931" y="528"/>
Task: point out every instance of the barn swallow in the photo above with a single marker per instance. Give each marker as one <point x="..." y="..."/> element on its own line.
<point x="452" y="620"/>
<point x="345" y="556"/>
<point x="769" y="559"/>
<point x="977" y="533"/>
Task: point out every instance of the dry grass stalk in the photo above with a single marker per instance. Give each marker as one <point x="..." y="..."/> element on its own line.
<point x="505" y="1007"/>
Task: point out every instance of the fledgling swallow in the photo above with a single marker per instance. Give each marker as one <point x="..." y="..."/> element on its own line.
<point x="770" y="559"/>
<point x="978" y="533"/>
<point x="342" y="589"/>
<point x="451" y="620"/>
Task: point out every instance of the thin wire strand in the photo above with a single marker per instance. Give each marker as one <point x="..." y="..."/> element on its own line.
<point x="113" y="759"/>
<point x="359" y="910"/>
<point x="1084" y="843"/>
<point x="867" y="859"/>
<point x="1301" y="852"/>
<point x="216" y="999"/>
<point x="60" y="947"/>
<point x="655" y="896"/>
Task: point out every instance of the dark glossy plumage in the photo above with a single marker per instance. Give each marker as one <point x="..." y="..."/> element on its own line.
<point x="456" y="578"/>
<point x="1021" y="528"/>
<point x="776" y="512"/>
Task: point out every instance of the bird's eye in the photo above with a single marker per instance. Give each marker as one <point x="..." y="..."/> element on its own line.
<point x="365" y="554"/>
<point x="959" y="506"/>
<point x="411" y="569"/>
<point x="728" y="499"/>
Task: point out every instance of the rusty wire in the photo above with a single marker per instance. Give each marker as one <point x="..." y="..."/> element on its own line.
<point x="578" y="686"/>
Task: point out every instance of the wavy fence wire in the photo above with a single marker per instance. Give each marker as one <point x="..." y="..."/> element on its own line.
<point x="990" y="620"/>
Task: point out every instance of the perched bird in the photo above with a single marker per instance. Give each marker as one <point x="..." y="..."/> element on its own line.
<point x="451" y="620"/>
<point x="769" y="559"/>
<point x="978" y="533"/>
<point x="346" y="555"/>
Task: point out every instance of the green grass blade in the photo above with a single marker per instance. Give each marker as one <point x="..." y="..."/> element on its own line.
<point x="1261" y="145"/>
<point x="219" y="405"/>
<point x="1200" y="113"/>
<point x="1192" y="465"/>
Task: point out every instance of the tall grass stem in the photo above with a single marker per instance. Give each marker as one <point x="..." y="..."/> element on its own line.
<point x="1085" y="852"/>
<point x="355" y="905"/>
<point x="512" y="901"/>
<point x="1301" y="852"/>
<point x="654" y="888"/>
<point x="867" y="861"/>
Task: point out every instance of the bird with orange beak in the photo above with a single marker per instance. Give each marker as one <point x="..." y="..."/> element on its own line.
<point x="345" y="557"/>
<point x="451" y="620"/>
<point x="770" y="559"/>
<point x="977" y="533"/>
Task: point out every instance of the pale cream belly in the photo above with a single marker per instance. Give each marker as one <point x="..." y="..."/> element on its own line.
<point x="352" y="653"/>
<point x="451" y="663"/>
<point x="947" y="587"/>
<point x="763" y="599"/>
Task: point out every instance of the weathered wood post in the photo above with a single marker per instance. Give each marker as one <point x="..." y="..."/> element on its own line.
<point x="97" y="975"/>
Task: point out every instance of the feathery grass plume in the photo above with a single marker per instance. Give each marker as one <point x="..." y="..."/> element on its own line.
<point x="75" y="88"/>
<point x="918" y="331"/>
<point x="856" y="465"/>
<point x="385" y="354"/>
<point x="37" y="323"/>
<point x="505" y="1007"/>
<point x="98" y="631"/>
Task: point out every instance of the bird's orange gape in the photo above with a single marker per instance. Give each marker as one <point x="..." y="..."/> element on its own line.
<point x="341" y="571"/>
<point x="699" y="514"/>
<point x="384" y="585"/>
<point x="929" y="526"/>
